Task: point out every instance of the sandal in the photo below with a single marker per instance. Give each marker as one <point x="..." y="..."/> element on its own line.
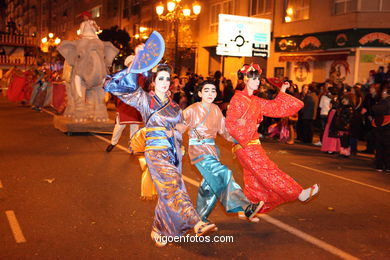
<point x="241" y="215"/>
<point x="252" y="209"/>
<point x="313" y="192"/>
<point x="205" y="228"/>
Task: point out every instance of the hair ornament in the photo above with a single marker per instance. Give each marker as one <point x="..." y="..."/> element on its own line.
<point x="252" y="67"/>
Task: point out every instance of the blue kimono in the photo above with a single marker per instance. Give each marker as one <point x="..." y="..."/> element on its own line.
<point x="174" y="213"/>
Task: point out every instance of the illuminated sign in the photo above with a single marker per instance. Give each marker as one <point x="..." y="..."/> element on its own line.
<point x="243" y="36"/>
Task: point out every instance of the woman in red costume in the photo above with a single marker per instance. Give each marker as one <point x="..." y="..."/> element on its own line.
<point x="263" y="180"/>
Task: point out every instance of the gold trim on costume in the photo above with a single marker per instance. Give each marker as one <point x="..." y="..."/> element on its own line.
<point x="155" y="147"/>
<point x="148" y="190"/>
<point x="156" y="138"/>
<point x="237" y="147"/>
<point x="151" y="129"/>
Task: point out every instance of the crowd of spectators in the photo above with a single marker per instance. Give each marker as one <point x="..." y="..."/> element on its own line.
<point x="340" y="115"/>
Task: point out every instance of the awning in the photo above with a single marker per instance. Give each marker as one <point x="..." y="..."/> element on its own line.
<point x="314" y="56"/>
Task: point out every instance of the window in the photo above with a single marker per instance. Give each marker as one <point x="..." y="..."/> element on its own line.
<point x="260" y="7"/>
<point x="296" y="10"/>
<point x="225" y="7"/>
<point x="344" y="6"/>
<point x="348" y="6"/>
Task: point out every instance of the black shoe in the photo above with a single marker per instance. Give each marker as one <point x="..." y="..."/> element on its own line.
<point x="110" y="147"/>
<point x="252" y="209"/>
<point x="367" y="151"/>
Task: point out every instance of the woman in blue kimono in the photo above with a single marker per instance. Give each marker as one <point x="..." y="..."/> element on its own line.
<point x="174" y="213"/>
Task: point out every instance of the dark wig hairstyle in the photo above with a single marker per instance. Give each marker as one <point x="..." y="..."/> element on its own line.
<point x="201" y="86"/>
<point x="161" y="67"/>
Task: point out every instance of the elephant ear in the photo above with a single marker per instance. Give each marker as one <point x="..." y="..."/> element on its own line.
<point x="109" y="53"/>
<point x="68" y="50"/>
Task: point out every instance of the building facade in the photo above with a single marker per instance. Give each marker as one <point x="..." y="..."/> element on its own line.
<point x="311" y="40"/>
<point x="341" y="40"/>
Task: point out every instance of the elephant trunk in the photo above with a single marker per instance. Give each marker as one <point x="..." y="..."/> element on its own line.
<point x="94" y="77"/>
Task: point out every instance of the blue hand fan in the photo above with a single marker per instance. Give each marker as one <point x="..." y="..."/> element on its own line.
<point x="151" y="55"/>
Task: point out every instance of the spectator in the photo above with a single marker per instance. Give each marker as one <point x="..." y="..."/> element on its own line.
<point x="356" y="122"/>
<point x="240" y="81"/>
<point x="381" y="125"/>
<point x="369" y="101"/>
<point x="380" y="76"/>
<point x="309" y="111"/>
<point x="342" y="123"/>
<point x="324" y="111"/>
<point x="217" y="82"/>
<point x="228" y="92"/>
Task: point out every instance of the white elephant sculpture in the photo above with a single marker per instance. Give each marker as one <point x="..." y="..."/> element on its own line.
<point x="89" y="60"/>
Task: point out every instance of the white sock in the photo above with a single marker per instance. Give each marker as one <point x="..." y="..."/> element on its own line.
<point x="305" y="194"/>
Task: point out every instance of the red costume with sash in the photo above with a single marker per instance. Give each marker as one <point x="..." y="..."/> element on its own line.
<point x="264" y="181"/>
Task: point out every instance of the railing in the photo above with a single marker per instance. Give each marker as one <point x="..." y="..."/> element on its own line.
<point x="17" y="60"/>
<point x="17" y="40"/>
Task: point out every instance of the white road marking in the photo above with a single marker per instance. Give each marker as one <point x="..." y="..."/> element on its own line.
<point x="15" y="227"/>
<point x="308" y="238"/>
<point x="109" y="141"/>
<point x="340" y="177"/>
<point x="296" y="232"/>
<point x="191" y="181"/>
<point x="47" y="111"/>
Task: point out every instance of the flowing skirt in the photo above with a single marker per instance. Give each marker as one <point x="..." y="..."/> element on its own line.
<point x="264" y="181"/>
<point x="174" y="213"/>
<point x="330" y="144"/>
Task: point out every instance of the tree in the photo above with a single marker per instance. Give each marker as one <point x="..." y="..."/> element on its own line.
<point x="121" y="39"/>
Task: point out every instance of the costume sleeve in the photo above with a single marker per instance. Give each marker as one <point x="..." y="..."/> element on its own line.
<point x="187" y="117"/>
<point x="82" y="26"/>
<point x="241" y="133"/>
<point x="125" y="86"/>
<point x="222" y="127"/>
<point x="282" y="106"/>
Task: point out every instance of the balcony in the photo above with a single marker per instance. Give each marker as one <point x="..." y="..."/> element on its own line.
<point x="17" y="40"/>
<point x="11" y="60"/>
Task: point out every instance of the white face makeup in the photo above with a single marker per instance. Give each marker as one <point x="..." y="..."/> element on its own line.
<point x="208" y="93"/>
<point x="253" y="83"/>
<point x="162" y="82"/>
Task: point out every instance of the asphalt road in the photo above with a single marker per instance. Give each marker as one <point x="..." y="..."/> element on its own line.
<point x="64" y="197"/>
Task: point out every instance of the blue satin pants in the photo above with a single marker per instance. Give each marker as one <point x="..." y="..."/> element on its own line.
<point x="218" y="183"/>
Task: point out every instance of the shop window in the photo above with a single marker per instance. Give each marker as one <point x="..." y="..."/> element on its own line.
<point x="296" y="10"/>
<point x="224" y="7"/>
<point x="260" y="7"/>
<point x="279" y="72"/>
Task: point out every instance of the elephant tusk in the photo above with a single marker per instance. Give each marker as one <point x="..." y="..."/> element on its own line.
<point x="78" y="85"/>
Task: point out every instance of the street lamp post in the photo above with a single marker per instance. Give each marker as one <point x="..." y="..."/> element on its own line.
<point x="177" y="13"/>
<point x="48" y="43"/>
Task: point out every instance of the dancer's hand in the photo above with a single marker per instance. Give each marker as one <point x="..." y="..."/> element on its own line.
<point x="139" y="48"/>
<point x="285" y="86"/>
<point x="181" y="127"/>
<point x="241" y="121"/>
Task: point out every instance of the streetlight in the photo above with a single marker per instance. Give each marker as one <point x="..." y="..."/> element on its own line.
<point x="176" y="14"/>
<point x="49" y="42"/>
